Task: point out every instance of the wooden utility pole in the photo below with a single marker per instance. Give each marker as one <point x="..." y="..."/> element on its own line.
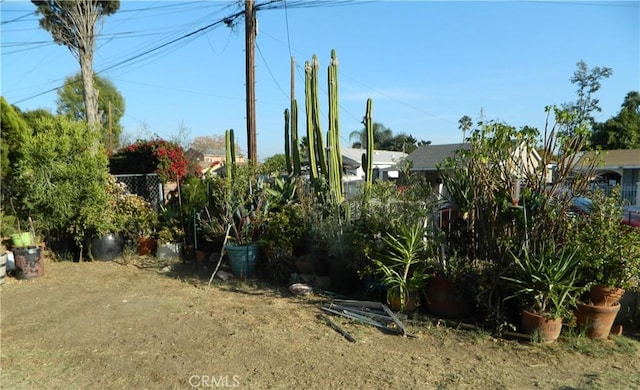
<point x="250" y="41"/>
<point x="293" y="79"/>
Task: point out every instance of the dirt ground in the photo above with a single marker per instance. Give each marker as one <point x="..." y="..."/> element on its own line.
<point x="134" y="324"/>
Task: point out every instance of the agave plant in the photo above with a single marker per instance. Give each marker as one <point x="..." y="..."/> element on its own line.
<point x="546" y="279"/>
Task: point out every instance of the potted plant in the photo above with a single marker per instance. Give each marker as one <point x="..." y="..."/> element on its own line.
<point x="447" y="290"/>
<point x="102" y="222"/>
<point x="140" y="224"/>
<point x="284" y="229"/>
<point x="170" y="238"/>
<point x="403" y="267"/>
<point x="610" y="267"/>
<point x="244" y="208"/>
<point x="546" y="281"/>
<point x="613" y="265"/>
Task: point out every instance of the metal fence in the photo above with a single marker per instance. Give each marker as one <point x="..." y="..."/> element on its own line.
<point x="148" y="186"/>
<point x="629" y="193"/>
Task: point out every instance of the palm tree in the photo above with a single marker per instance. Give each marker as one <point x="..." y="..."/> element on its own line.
<point x="381" y="136"/>
<point x="465" y="124"/>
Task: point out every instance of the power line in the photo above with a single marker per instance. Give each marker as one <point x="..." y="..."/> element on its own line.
<point x="269" y="70"/>
<point x="286" y="18"/>
<point x="147" y="52"/>
<point x="18" y="18"/>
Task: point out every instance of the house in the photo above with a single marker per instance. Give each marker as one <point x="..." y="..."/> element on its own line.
<point x="384" y="164"/>
<point x="618" y="167"/>
<point x="426" y="158"/>
<point x="210" y="161"/>
<point x="384" y="167"/>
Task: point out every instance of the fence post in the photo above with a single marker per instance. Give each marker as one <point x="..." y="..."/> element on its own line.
<point x="637" y="194"/>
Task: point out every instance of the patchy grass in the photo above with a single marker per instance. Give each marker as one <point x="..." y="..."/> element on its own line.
<point x="143" y="323"/>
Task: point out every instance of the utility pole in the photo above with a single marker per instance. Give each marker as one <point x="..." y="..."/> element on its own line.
<point x="250" y="41"/>
<point x="293" y="79"/>
<point x="110" y="130"/>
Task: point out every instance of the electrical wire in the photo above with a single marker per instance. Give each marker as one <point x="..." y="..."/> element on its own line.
<point x="18" y="18"/>
<point x="270" y="72"/>
<point x="286" y="18"/>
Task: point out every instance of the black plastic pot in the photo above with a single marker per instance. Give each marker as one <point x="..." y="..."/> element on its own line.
<point x="106" y="248"/>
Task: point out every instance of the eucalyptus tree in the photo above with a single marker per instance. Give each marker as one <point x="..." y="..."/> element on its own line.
<point x="75" y="24"/>
<point x="581" y="111"/>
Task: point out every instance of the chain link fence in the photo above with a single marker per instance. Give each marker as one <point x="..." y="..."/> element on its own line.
<point x="148" y="186"/>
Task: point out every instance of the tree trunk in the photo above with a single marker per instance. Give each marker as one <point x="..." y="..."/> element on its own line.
<point x="90" y="94"/>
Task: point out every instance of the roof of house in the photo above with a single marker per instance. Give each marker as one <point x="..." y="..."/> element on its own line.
<point x="618" y="158"/>
<point x="353" y="157"/>
<point x="426" y="157"/>
<point x="215" y="152"/>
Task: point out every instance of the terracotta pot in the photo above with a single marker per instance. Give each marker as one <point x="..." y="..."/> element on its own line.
<point x="304" y="266"/>
<point x="605" y="295"/>
<point x="147" y="246"/>
<point x="446" y="298"/>
<point x="547" y="328"/>
<point x="596" y="320"/>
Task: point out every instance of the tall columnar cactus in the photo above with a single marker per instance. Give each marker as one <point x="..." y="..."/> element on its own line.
<point x="315" y="113"/>
<point x="333" y="137"/>
<point x="287" y="150"/>
<point x="368" y="162"/>
<point x="233" y="152"/>
<point x="295" y="142"/>
<point x="311" y="137"/>
<point x="230" y="150"/>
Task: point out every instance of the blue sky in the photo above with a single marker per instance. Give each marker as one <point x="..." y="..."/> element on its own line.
<point x="425" y="64"/>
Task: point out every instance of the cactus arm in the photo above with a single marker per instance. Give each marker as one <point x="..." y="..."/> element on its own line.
<point x="228" y="142"/>
<point x="313" y="167"/>
<point x="315" y="109"/>
<point x="287" y="149"/>
<point x="295" y="147"/>
<point x="368" y="169"/>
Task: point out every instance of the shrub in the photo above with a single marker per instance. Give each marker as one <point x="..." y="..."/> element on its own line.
<point x="61" y="178"/>
<point x="153" y="156"/>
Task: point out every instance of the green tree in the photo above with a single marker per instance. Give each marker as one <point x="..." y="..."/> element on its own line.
<point x="384" y="139"/>
<point x="74" y="24"/>
<point x="588" y="82"/>
<point x="401" y="143"/>
<point x="381" y="135"/>
<point x="274" y="165"/>
<point x="623" y="130"/>
<point x="111" y="104"/>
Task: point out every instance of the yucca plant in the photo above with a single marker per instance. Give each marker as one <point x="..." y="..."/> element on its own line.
<point x="546" y="280"/>
<point x="403" y="265"/>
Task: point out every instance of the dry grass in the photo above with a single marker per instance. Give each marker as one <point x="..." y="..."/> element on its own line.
<point x="126" y="325"/>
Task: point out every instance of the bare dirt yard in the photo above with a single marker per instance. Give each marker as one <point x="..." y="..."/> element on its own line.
<point x="130" y="325"/>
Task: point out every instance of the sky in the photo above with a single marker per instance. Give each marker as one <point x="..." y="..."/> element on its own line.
<point x="425" y="64"/>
